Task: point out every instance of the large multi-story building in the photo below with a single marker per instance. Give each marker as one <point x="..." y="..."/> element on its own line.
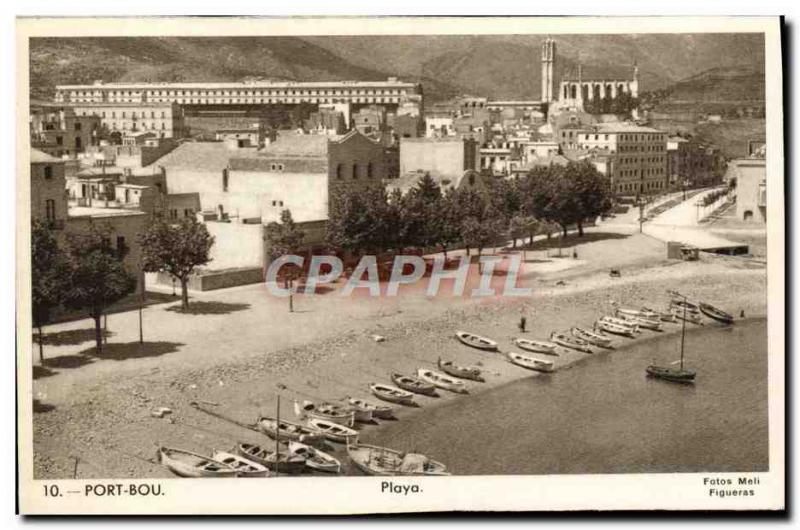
<point x="639" y="155"/>
<point x="389" y="92"/>
<point x="163" y="119"/>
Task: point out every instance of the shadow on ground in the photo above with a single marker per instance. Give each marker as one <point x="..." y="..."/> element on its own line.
<point x="572" y="240"/>
<point x="132" y="350"/>
<point x="67" y="361"/>
<point x="42" y="371"/>
<point x="209" y="308"/>
<point x="69" y="337"/>
<point x="38" y="406"/>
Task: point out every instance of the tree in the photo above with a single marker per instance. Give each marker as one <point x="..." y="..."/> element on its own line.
<point x="98" y="278"/>
<point x="50" y="276"/>
<point x="522" y="225"/>
<point x="283" y="239"/>
<point x="420" y="214"/>
<point x="361" y="220"/>
<point x="176" y="248"/>
<point x="592" y="190"/>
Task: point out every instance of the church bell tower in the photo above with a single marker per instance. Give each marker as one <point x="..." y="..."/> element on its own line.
<point x="548" y="70"/>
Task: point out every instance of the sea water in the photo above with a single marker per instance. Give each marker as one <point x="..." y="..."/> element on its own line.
<point x="605" y="416"/>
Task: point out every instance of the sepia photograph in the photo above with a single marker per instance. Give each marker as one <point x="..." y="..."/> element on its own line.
<point x="301" y="256"/>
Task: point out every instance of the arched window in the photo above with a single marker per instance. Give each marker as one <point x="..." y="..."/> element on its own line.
<point x="748" y="215"/>
<point x="355" y="171"/>
<point x="339" y="171"/>
<point x="369" y="170"/>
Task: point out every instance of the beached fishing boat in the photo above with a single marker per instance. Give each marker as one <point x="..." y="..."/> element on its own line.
<point x="472" y="373"/>
<point x="716" y="313"/>
<point x="476" y="341"/>
<point x="381" y="461"/>
<point x="537" y="346"/>
<point x="621" y="322"/>
<point x="414" y="384"/>
<point x="288" y="431"/>
<point x="391" y="394"/>
<point x="192" y="465"/>
<point x="314" y="458"/>
<point x="571" y="342"/>
<point x="531" y="363"/>
<point x="325" y="411"/>
<point x="616" y="329"/>
<point x="642" y="322"/>
<point x="592" y="337"/>
<point x="375" y="411"/>
<point x="244" y="467"/>
<point x="333" y="431"/>
<point x="441" y="380"/>
<point x="664" y="316"/>
<point x="690" y="307"/>
<point x="285" y="462"/>
<point x="687" y="316"/>
<point x="643" y="313"/>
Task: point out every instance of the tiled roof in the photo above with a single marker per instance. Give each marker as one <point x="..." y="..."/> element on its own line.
<point x="299" y="145"/>
<point x="209" y="156"/>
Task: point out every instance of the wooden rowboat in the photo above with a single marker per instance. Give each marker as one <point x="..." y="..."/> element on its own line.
<point x="289" y="431"/>
<point x="667" y="316"/>
<point x="592" y="337"/>
<point x="326" y="411"/>
<point x="571" y="342"/>
<point x="192" y="465"/>
<point x="414" y="384"/>
<point x="391" y="394"/>
<point x="642" y="322"/>
<point x="643" y="313"/>
<point x="616" y="329"/>
<point x="284" y="463"/>
<point x="244" y="467"/>
<point x="314" y="458"/>
<point x="441" y="380"/>
<point x="333" y="431"/>
<point x="381" y="461"/>
<point x="476" y="341"/>
<point x="463" y="372"/>
<point x="716" y="313"/>
<point x="531" y="363"/>
<point x="537" y="346"/>
<point x="374" y="410"/>
<point x="634" y="327"/>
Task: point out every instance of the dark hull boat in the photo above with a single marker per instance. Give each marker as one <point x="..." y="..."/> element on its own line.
<point x="463" y="372"/>
<point x="676" y="375"/>
<point x="716" y="314"/>
<point x="414" y="384"/>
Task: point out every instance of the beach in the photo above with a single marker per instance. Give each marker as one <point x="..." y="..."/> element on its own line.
<point x="106" y="423"/>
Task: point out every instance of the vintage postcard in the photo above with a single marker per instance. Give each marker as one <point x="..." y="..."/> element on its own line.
<point x="383" y="265"/>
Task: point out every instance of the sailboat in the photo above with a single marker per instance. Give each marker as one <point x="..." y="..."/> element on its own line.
<point x="671" y="373"/>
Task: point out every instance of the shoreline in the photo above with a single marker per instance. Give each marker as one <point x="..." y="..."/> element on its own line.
<point x="113" y="432"/>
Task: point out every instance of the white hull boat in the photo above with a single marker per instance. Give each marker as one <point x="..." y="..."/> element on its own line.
<point x="476" y="341"/>
<point x="537" y="346"/>
<point x="531" y="363"/>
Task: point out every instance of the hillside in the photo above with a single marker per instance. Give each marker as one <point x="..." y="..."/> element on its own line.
<point x="499" y="66"/>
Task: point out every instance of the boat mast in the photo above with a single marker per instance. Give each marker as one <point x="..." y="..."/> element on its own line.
<point x="683" y="327"/>
<point x="278" y="435"/>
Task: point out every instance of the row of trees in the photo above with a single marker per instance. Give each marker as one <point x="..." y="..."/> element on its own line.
<point x="373" y="220"/>
<point x="623" y="104"/>
<point x="84" y="272"/>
